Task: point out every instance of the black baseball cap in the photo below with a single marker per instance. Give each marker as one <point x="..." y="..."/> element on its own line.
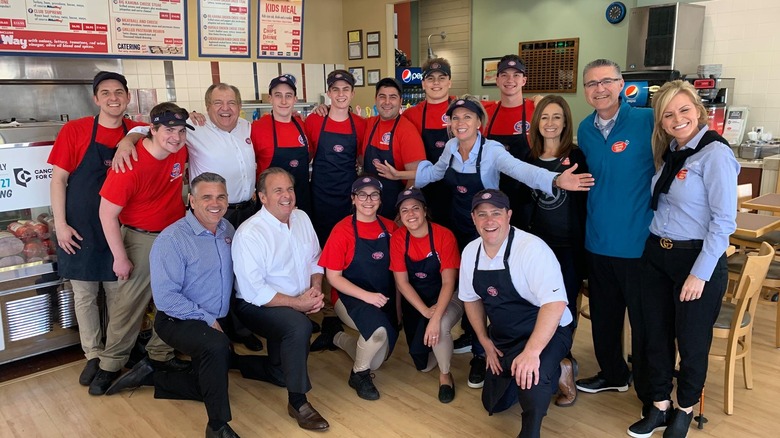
<point x="340" y="75"/>
<point x="494" y="197"/>
<point x="511" y="62"/>
<point x="366" y="181"/>
<point x="390" y="82"/>
<point x="410" y="193"/>
<point x="106" y="75"/>
<point x="169" y="118"/>
<point x="283" y="79"/>
<point x="465" y="103"/>
<point x="437" y="67"/>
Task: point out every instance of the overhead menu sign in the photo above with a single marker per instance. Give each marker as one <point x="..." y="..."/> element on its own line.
<point x="223" y="28"/>
<point x="124" y="28"/>
<point x="280" y="29"/>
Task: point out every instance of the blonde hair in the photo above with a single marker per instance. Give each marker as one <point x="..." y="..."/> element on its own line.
<point x="661" y="99"/>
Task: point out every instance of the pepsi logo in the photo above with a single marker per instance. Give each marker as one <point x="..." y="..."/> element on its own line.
<point x="492" y="291"/>
<point x="462" y="189"/>
<point x="248" y="140"/>
<point x="421" y="275"/>
<point x="176" y="171"/>
<point x="385" y="138"/>
<point x="379" y="255"/>
<point x="294" y="163"/>
<point x="619" y="146"/>
<point x="407" y="76"/>
<point x="300" y="140"/>
<point x="631" y="91"/>
<point x="682" y="174"/>
<point x="338" y="148"/>
<point x="439" y="144"/>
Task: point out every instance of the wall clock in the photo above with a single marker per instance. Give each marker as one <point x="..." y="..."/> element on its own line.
<point x="616" y="12"/>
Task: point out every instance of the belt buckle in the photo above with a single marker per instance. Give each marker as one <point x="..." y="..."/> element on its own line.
<point x="666" y="243"/>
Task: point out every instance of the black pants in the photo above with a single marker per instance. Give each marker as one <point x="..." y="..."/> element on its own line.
<point x="288" y="332"/>
<point x="571" y="260"/>
<point x="210" y="352"/>
<point x="614" y="286"/>
<point x="667" y="319"/>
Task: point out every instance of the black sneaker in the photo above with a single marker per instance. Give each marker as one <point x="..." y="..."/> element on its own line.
<point x="102" y="381"/>
<point x="462" y="344"/>
<point x="597" y="384"/>
<point x="362" y="383"/>
<point x="656" y="420"/>
<point x="679" y="424"/>
<point x="89" y="371"/>
<point x="477" y="372"/>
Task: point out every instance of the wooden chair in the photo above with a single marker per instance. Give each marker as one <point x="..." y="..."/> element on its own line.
<point x="771" y="283"/>
<point x="744" y="193"/>
<point x="735" y="322"/>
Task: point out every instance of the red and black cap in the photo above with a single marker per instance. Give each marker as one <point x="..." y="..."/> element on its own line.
<point x="340" y="75"/>
<point x="283" y="79"/>
<point x="410" y="193"/>
<point x="366" y="181"/>
<point x="511" y="62"/>
<point x="468" y="104"/>
<point x="169" y="118"/>
<point x="437" y="67"/>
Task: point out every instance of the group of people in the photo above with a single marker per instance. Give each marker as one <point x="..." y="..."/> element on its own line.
<point x="404" y="216"/>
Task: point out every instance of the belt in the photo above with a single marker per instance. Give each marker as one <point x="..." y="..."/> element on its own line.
<point x="140" y="230"/>
<point x="666" y="243"/>
<point x="240" y="205"/>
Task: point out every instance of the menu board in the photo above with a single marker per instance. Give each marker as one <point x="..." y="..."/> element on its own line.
<point x="123" y="28"/>
<point x="280" y="29"/>
<point x="223" y="28"/>
<point x="25" y="177"/>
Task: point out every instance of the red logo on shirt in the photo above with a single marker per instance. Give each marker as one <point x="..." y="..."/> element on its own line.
<point x="462" y="189"/>
<point x="439" y="144"/>
<point x="566" y="161"/>
<point x="338" y="148"/>
<point x="300" y="140"/>
<point x="386" y="138"/>
<point x="294" y="163"/>
<point x="619" y="146"/>
<point x="492" y="291"/>
<point x="248" y="140"/>
<point x="107" y="163"/>
<point x="420" y="275"/>
<point x="444" y="119"/>
<point x="379" y="255"/>
<point x="176" y="171"/>
<point x="682" y="174"/>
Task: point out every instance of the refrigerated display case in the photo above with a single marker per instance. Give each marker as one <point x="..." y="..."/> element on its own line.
<point x="36" y="305"/>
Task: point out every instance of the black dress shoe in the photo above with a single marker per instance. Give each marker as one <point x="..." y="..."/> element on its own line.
<point x="598" y="383"/>
<point x="174" y="364"/>
<point x="89" y="371"/>
<point x="447" y="393"/>
<point x="223" y="432"/>
<point x="141" y="374"/>
<point x="362" y="383"/>
<point x="251" y="343"/>
<point x="102" y="381"/>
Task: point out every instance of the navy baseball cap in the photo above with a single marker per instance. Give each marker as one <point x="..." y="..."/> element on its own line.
<point x="366" y="181"/>
<point x="494" y="197"/>
<point x="512" y="62"/>
<point x="410" y="193"/>
<point x="465" y="103"/>
<point x="169" y="118"/>
<point x="340" y="75"/>
<point x="106" y="75"/>
<point x="437" y="67"/>
<point x="283" y="79"/>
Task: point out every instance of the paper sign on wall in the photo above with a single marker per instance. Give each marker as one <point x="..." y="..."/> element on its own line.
<point x="280" y="29"/>
<point x="25" y="177"/>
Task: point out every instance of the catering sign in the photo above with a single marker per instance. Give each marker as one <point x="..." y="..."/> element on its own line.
<point x="280" y="29"/>
<point x="124" y="28"/>
<point x="223" y="28"/>
<point x="25" y="177"/>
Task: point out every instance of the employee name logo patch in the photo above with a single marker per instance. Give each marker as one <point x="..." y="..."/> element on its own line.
<point x="444" y="119"/>
<point x="338" y="148"/>
<point x="176" y="171"/>
<point x="439" y="144"/>
<point x="619" y="146"/>
<point x="107" y="163"/>
<point x="421" y="275"/>
<point x="300" y="140"/>
<point x="375" y="161"/>
<point x="228" y="240"/>
<point x="519" y="126"/>
<point x="492" y="291"/>
<point x="385" y="138"/>
<point x="566" y="161"/>
<point x="462" y="189"/>
<point x="294" y="163"/>
<point x="379" y="255"/>
<point x="248" y="140"/>
<point x="682" y="174"/>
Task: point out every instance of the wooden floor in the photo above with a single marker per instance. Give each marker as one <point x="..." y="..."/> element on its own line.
<point x="52" y="404"/>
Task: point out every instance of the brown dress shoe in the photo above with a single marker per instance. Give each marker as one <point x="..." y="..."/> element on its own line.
<point x="567" y="394"/>
<point x="308" y="417"/>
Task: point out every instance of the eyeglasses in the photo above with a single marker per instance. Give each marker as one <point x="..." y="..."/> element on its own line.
<point x="363" y="196"/>
<point x="604" y="82"/>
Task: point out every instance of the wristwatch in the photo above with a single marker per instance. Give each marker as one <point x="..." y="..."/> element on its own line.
<point x="555" y="180"/>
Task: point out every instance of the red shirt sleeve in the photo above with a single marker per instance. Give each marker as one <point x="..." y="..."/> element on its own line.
<point x="71" y="144"/>
<point x="407" y="145"/>
<point x="263" y="142"/>
<point x="397" y="249"/>
<point x="414" y="115"/>
<point x="312" y="127"/>
<point x="447" y="247"/>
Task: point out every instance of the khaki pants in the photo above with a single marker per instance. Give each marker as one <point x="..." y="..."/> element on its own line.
<point x="85" y="295"/>
<point x="133" y="295"/>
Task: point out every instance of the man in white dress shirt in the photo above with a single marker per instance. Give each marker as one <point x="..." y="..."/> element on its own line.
<point x="278" y="283"/>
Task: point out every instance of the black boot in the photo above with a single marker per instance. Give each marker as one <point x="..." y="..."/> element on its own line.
<point x="330" y="326"/>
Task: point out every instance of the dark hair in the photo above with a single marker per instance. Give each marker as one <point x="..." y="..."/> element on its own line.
<point x="567" y="134"/>
<point x="271" y="171"/>
<point x="163" y="108"/>
<point x="222" y="86"/>
<point x="206" y="177"/>
<point x="427" y="64"/>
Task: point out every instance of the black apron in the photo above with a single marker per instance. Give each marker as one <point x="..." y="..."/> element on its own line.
<point x="463" y="187"/>
<point x="370" y="270"/>
<point x="425" y="278"/>
<point x="296" y="161"/>
<point x="390" y="189"/>
<point x="94" y="261"/>
<point x="437" y="194"/>
<point x="332" y="175"/>
<point x="519" y="194"/>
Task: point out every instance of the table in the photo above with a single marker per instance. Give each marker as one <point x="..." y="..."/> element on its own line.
<point x="768" y="202"/>
<point x="755" y="225"/>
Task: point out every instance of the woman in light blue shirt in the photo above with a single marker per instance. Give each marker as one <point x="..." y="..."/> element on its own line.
<point x="685" y="274"/>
